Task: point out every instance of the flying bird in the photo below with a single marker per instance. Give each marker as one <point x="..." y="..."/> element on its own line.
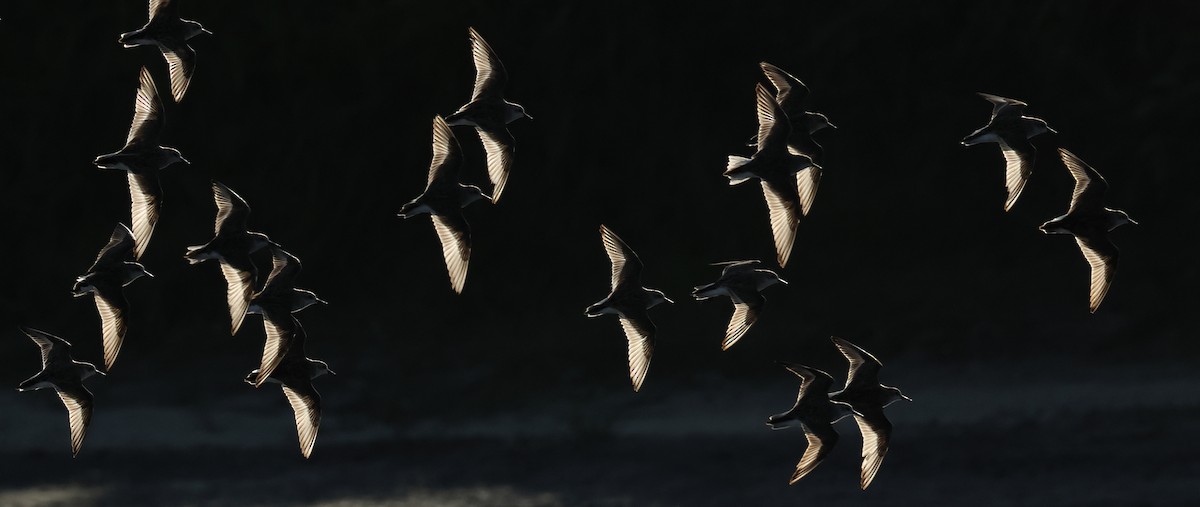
<point x="276" y="301"/>
<point x="141" y="159"/>
<point x="630" y="301"/>
<point x="489" y="113"/>
<point x="775" y="166"/>
<point x="170" y="34"/>
<point x="279" y="294"/>
<point x="104" y="281"/>
<point x="65" y="375"/>
<point x="295" y="374"/>
<point x="742" y="281"/>
<point x="443" y="199"/>
<point x="790" y="93"/>
<point x="232" y="245"/>
<point x="1090" y="222"/>
<point x="815" y="413"/>
<point x="1012" y="130"/>
<point x="867" y="397"/>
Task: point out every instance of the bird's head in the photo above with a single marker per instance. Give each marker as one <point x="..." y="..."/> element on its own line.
<point x="657" y="297"/>
<point x="806" y="161"/>
<point x="194" y="29"/>
<point x="815" y="122"/>
<point x="320" y="368"/>
<point x="1041" y="127"/>
<point x="306" y="298"/>
<point x="90" y="370"/>
<point x="135" y="270"/>
<point x="472" y="194"/>
<point x="1117" y="218"/>
<point x="893" y="395"/>
<point x="259" y="241"/>
<point x="516" y="112"/>
<point x="173" y="156"/>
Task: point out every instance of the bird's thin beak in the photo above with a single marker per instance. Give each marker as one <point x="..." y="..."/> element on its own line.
<point x="149" y="274"/>
<point x="207" y="31"/>
<point x="785" y="282"/>
<point x="322" y="301"/>
<point x="527" y="116"/>
<point x="667" y="299"/>
<point x="1134" y="222"/>
<point x="334" y="373"/>
<point x="906" y="398"/>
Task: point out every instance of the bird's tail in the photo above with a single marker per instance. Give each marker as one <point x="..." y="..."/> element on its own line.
<point x="29" y="384"/>
<point x="974" y="138"/>
<point x="736" y="171"/>
<point x="456" y="119"/>
<point x="596" y="310"/>
<point x="777" y="422"/>
<point x="196" y="254"/>
<point x="407" y="210"/>
<point x="705" y="291"/>
<point x="108" y="161"/>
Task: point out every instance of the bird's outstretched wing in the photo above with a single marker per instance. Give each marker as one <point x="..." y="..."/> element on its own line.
<point x="1090" y="186"/>
<point x="490" y="75"/>
<point x="1101" y="255"/>
<point x="639" y="331"/>
<point x="147" y="113"/>
<point x="626" y="266"/>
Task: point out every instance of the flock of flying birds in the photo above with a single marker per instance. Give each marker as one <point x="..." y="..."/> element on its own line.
<point x="785" y="161"/>
<point x="276" y="297"/>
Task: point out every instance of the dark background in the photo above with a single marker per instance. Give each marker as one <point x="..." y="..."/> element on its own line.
<point x="319" y="115"/>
